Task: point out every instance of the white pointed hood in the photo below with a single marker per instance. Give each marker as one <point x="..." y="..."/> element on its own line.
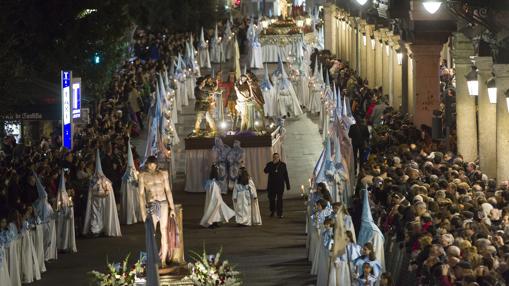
<point x="316" y="71"/>
<point x="266" y="84"/>
<point x="130" y="159"/>
<point x="216" y="34"/>
<point x="63" y="197"/>
<point x="41" y="191"/>
<point x="282" y="67"/>
<point x="98" y="166"/>
<point x="202" y="39"/>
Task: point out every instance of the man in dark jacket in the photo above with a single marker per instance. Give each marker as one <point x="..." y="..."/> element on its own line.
<point x="359" y="133"/>
<point x="278" y="177"/>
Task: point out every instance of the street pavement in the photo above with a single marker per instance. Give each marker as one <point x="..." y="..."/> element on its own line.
<point x="271" y="254"/>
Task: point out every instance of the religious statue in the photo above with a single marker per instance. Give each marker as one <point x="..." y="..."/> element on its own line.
<point x="245" y="103"/>
<point x="204" y="106"/>
<point x="220" y="152"/>
<point x="259" y="101"/>
<point x="235" y="162"/>
<point x="156" y="197"/>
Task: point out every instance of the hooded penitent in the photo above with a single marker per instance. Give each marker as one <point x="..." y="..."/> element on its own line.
<point x="66" y="239"/>
<point x="101" y="214"/>
<point x="369" y="231"/>
<point x="130" y="205"/>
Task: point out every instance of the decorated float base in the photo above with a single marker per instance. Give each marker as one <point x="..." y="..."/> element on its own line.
<point x="258" y="152"/>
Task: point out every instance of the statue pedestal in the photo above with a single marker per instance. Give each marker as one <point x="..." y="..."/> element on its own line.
<point x="178" y="254"/>
<point x="258" y="151"/>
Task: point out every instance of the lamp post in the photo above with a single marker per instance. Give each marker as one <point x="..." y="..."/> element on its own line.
<point x="472" y="82"/>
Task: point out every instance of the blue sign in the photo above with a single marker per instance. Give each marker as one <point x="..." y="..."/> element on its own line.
<point x="76" y="97"/>
<point x="66" y="77"/>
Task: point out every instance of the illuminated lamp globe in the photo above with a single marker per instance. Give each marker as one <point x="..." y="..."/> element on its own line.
<point x="492" y="90"/>
<point x="432" y="6"/>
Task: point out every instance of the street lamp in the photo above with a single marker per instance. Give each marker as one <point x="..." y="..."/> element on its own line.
<point x="364" y="38"/>
<point x="432" y="6"/>
<point x="387" y="48"/>
<point x="373" y="42"/>
<point x="507" y="99"/>
<point x="362" y="2"/>
<point x="492" y="90"/>
<point x="472" y="82"/>
<point x="399" y="55"/>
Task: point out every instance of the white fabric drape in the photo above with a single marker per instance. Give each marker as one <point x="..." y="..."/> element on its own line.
<point x="13" y="258"/>
<point x="38" y="240"/>
<point x="270" y="53"/>
<point x="101" y="215"/>
<point x="30" y="271"/>
<point x="66" y="239"/>
<point x="215" y="210"/>
<point x="50" y="240"/>
<point x="198" y="164"/>
<point x="130" y="206"/>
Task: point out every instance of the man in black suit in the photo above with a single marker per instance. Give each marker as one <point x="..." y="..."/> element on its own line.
<point x="278" y="177"/>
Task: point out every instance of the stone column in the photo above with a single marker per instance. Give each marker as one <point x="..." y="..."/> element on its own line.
<point x="329" y="21"/>
<point x="348" y="40"/>
<point x="502" y="74"/>
<point x="411" y="82"/>
<point x="342" y="29"/>
<point x="386" y="67"/>
<point x="363" y="51"/>
<point x="354" y="43"/>
<point x="487" y="120"/>
<point x="370" y="58"/>
<point x="378" y="60"/>
<point x="427" y="82"/>
<point x="465" y="104"/>
<point x="397" y="80"/>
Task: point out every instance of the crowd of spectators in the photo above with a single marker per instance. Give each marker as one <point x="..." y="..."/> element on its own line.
<point x="119" y="115"/>
<point x="444" y="221"/>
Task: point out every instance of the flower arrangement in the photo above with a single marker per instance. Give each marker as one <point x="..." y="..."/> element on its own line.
<point x="209" y="270"/>
<point x="118" y="274"/>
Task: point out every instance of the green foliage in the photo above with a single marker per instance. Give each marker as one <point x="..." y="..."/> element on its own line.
<point x="42" y="37"/>
<point x="117" y="274"/>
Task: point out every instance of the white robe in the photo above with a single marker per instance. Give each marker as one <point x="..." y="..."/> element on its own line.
<point x="302" y="89"/>
<point x="287" y="100"/>
<point x="204" y="58"/>
<point x="50" y="240"/>
<point x="30" y="271"/>
<point x="315" y="101"/>
<point x="130" y="206"/>
<point x="216" y="52"/>
<point x="13" y="258"/>
<point x="66" y="238"/>
<point x="190" y="83"/>
<point x="316" y="253"/>
<point x="101" y="215"/>
<point x="323" y="263"/>
<point x="5" y="279"/>
<point x="255" y="56"/>
<point x="215" y="210"/>
<point x="38" y="240"/>
<point x="339" y="274"/>
<point x="243" y="197"/>
<point x="270" y="106"/>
